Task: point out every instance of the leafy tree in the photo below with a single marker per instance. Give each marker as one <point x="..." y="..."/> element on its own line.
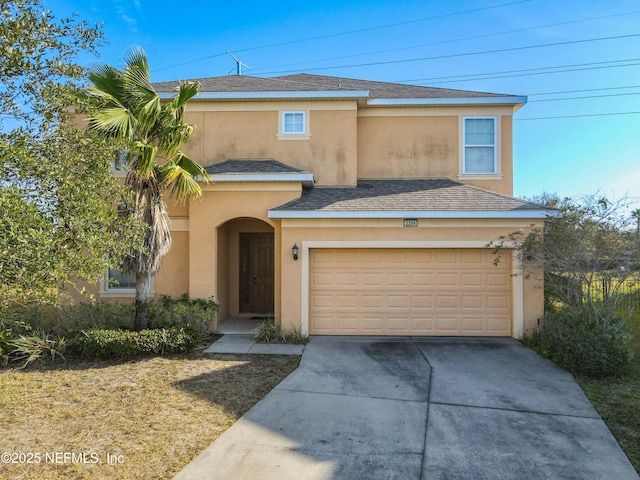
<point x="587" y="255"/>
<point x="151" y="132"/>
<point x="57" y="216"/>
<point x="38" y="65"/>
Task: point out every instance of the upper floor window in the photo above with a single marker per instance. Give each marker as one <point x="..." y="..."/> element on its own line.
<point x="294" y="123"/>
<point x="480" y="145"/>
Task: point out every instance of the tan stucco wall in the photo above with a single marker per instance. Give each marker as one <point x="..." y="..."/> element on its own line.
<point x="251" y="130"/>
<point x="412" y="142"/>
<point x="446" y="231"/>
<point x="407" y="147"/>
<point x="173" y="277"/>
<point x="213" y="242"/>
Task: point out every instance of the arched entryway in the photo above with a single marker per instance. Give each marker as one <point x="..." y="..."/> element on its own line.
<point x="246" y="268"/>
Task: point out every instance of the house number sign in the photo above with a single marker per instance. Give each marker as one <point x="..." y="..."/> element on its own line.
<point x="410" y="222"/>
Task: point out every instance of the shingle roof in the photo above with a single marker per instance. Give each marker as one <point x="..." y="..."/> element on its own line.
<point x="303" y="82"/>
<point x="422" y="198"/>
<point x="258" y="170"/>
<point x="243" y="166"/>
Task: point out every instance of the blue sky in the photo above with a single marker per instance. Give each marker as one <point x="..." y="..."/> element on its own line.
<point x="579" y="134"/>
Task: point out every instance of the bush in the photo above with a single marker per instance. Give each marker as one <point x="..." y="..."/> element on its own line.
<point x="101" y="330"/>
<point x="38" y="346"/>
<point x="75" y="319"/>
<point x="269" y="332"/>
<point x="123" y="344"/>
<point x="198" y="313"/>
<point x="24" y="319"/>
<point x="581" y="345"/>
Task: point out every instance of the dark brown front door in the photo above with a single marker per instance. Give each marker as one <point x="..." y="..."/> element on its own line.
<point x="256" y="272"/>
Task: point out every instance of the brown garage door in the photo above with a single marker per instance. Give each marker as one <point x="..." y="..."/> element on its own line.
<point x="409" y="292"/>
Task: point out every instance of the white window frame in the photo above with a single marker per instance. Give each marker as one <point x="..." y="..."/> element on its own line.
<point x="294" y="135"/>
<point x="495" y="174"/>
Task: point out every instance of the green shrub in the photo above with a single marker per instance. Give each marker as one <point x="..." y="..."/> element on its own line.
<point x="269" y="332"/>
<point x="75" y="319"/>
<point x="38" y="346"/>
<point x="198" y="313"/>
<point x="25" y="319"/>
<point x="583" y="345"/>
<point x="123" y="344"/>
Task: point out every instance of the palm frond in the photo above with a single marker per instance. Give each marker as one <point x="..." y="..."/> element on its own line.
<point x="181" y="182"/>
<point x="106" y="81"/>
<point x="186" y="91"/>
<point x="173" y="137"/>
<point x="113" y="122"/>
<point x="137" y="58"/>
<point x="196" y="170"/>
<point x="144" y="162"/>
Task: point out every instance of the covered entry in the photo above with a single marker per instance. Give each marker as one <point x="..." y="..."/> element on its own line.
<point x="245" y="273"/>
<point x="396" y="291"/>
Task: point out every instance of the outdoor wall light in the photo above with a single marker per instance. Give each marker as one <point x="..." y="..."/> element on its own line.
<point x="294" y="249"/>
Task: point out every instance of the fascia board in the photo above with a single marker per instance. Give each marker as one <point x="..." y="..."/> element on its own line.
<point x="530" y="214"/>
<point x="447" y="101"/>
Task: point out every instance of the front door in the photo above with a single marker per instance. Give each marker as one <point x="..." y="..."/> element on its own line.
<point x="256" y="273"/>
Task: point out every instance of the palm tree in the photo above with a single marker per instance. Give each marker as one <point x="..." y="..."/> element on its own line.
<point x="128" y="110"/>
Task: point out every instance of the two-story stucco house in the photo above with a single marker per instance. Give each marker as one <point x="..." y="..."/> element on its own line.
<point x="352" y="207"/>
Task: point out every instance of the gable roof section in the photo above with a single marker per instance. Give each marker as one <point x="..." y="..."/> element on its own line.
<point x="258" y="170"/>
<point x="432" y="198"/>
<point x="307" y="86"/>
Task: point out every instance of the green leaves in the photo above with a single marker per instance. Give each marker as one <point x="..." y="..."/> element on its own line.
<point x="58" y="216"/>
<point x="179" y="177"/>
<point x="37" y="57"/>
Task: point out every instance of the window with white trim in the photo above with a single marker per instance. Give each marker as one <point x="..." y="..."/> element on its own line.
<point x="117" y="280"/>
<point x="479" y="145"/>
<point x="294" y="123"/>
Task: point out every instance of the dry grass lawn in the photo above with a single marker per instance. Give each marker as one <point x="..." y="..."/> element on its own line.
<point x="152" y="416"/>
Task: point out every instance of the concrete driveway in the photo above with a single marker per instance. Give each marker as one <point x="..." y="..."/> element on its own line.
<point x="418" y="408"/>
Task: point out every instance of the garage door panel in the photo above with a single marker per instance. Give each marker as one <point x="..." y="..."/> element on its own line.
<point x="444" y="302"/>
<point x="497" y="302"/>
<point x="497" y="279"/>
<point x="471" y="324"/>
<point x="408" y="292"/>
<point x="319" y="301"/>
<point x="447" y="279"/>
<point x="472" y="280"/>
<point x="421" y="280"/>
<point x="472" y="301"/>
<point x="497" y="325"/>
<point x="447" y="325"/>
<point x="372" y="324"/>
<point x="445" y="257"/>
<point x="421" y="301"/>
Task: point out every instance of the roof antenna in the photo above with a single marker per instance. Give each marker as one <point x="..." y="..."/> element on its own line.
<point x="239" y="64"/>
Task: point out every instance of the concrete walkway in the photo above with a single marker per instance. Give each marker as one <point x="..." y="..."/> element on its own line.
<point x="417" y="408"/>
<point x="237" y="337"/>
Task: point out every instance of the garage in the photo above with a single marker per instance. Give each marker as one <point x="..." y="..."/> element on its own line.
<point x="397" y="291"/>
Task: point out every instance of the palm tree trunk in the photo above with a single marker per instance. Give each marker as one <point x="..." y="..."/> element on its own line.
<point x="142" y="302"/>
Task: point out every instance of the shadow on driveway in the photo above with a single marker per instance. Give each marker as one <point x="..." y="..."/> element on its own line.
<point x="418" y="408"/>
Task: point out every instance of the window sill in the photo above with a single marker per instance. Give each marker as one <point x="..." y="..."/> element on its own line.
<point x="480" y="176"/>
<point x="118" y="293"/>
<point x="293" y="136"/>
